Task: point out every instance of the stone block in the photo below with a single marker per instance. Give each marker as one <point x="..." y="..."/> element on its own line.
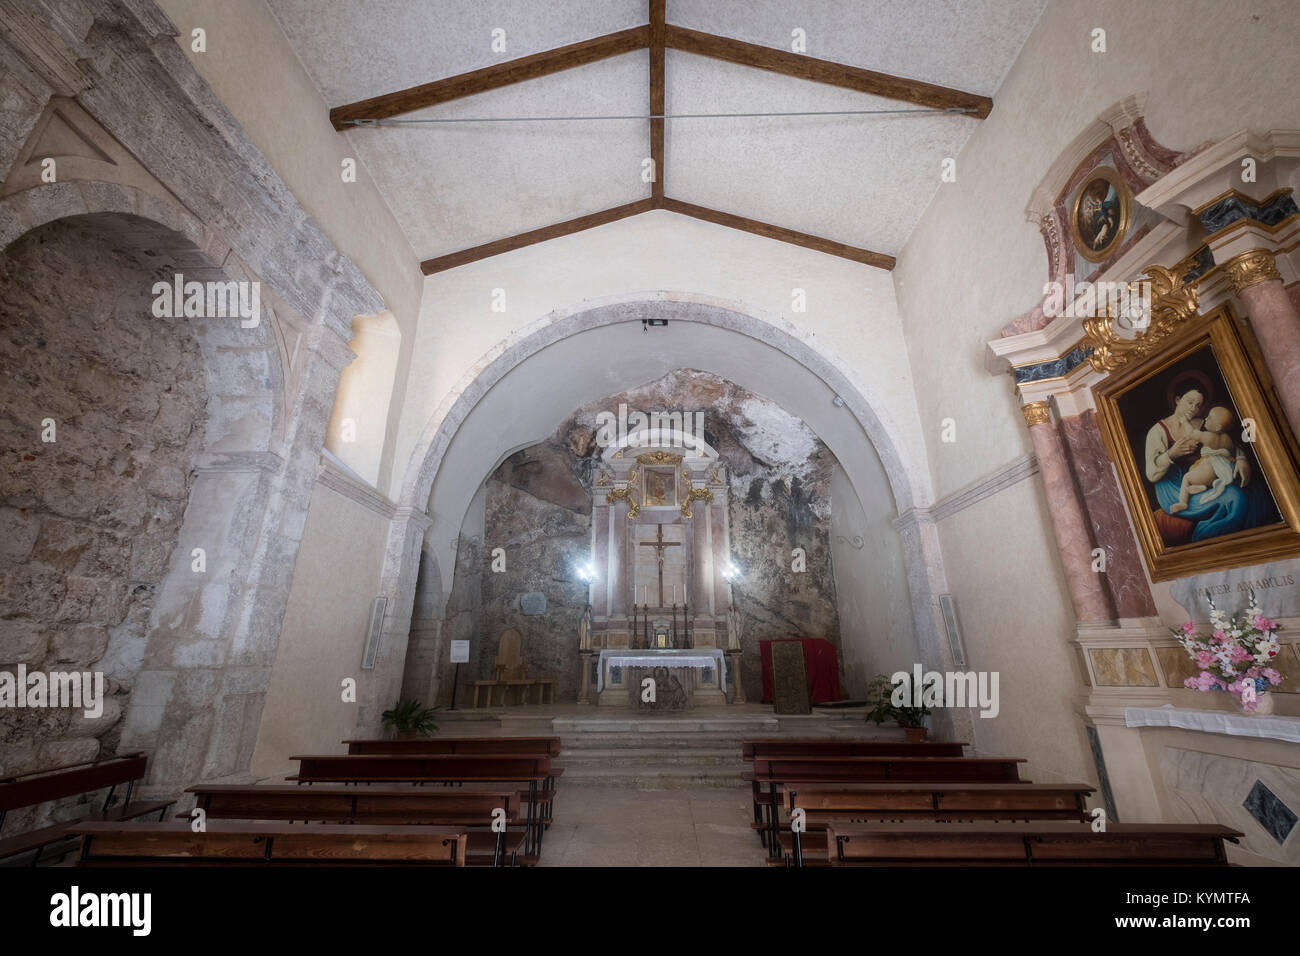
<point x="23" y="642"/>
<point x="18" y="533"/>
<point x="81" y="646"/>
<point x="63" y="753"/>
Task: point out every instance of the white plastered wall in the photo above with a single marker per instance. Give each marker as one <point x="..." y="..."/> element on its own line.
<point x="973" y="263"/>
<point x="851" y="317"/>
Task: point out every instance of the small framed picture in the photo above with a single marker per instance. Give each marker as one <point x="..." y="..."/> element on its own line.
<point x="1099" y="216"/>
<point x="1206" y="460"/>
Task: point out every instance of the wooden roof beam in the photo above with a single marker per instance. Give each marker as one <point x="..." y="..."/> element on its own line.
<point x="491" y="77"/>
<point x="804" y="67"/>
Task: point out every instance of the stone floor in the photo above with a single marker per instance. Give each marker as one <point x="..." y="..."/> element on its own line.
<point x="604" y="826"/>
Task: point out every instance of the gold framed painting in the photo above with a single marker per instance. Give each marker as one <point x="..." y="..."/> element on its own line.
<point x="1206" y="460"/>
<point x="1100" y="214"/>
<point x="659" y="487"/>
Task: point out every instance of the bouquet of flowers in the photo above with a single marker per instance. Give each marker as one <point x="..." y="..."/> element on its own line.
<point x="1238" y="657"/>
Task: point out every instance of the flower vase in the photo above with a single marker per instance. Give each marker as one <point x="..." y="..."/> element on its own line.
<point x="1263" y="705"/>
<point x="915" y="735"/>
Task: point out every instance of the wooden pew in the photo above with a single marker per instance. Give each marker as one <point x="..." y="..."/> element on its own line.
<point x="548" y="746"/>
<point x="1028" y="844"/>
<point x="847" y="803"/>
<point x="268" y="844"/>
<point x="366" y="805"/>
<point x="823" y="747"/>
<point x="533" y="770"/>
<point x="29" y="790"/>
<point x="505" y="746"/>
<point x="774" y="771"/>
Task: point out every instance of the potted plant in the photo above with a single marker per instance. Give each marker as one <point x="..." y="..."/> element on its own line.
<point x="881" y="709"/>
<point x="410" y="718"/>
<point x="1237" y="658"/>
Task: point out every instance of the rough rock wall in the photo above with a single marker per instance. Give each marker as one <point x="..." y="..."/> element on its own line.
<point x="538" y="509"/>
<point x="87" y="522"/>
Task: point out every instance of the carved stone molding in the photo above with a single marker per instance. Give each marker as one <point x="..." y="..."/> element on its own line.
<point x="1250" y="268"/>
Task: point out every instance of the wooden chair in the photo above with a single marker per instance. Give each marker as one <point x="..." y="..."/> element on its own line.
<point x="511" y="671"/>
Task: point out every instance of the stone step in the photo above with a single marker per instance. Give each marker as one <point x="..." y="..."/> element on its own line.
<point x="574" y="759"/>
<point x="744" y="727"/>
<point x="654" y="777"/>
<point x="617" y="741"/>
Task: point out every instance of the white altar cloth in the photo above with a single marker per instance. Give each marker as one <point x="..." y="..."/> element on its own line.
<point x="1215" y="722"/>
<point x="699" y="657"/>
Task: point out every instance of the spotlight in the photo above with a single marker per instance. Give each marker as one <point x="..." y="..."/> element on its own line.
<point x="837" y="402"/>
<point x="648" y="324"/>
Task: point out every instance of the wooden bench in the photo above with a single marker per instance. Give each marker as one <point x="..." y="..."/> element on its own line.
<point x="1028" y="844"/>
<point x="29" y="790"/>
<point x="268" y="844"/>
<point x="549" y="746"/>
<point x="774" y="771"/>
<point x="826" y="804"/>
<point x="824" y="747"/>
<point x="534" y="770"/>
<point x="406" y="806"/>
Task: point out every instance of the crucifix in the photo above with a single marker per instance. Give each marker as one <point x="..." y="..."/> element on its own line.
<point x="659" y="544"/>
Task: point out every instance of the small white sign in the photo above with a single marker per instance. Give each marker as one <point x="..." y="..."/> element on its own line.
<point x="460" y="652"/>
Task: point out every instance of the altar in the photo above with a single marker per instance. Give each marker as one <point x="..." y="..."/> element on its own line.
<point x="660" y="582"/>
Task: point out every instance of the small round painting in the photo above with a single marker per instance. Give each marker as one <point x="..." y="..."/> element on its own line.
<point x="1100" y="215"/>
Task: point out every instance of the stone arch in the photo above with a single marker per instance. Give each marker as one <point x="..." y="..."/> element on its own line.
<point x="132" y="447"/>
<point x="908" y="480"/>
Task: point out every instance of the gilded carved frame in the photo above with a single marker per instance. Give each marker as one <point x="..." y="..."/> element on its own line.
<point x="1274" y="448"/>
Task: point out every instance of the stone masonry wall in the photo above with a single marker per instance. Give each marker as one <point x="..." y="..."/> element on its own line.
<point x="539" y="510"/>
<point x="87" y="522"/>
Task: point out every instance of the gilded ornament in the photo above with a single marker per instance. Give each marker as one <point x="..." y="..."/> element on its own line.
<point x="1251" y="268"/>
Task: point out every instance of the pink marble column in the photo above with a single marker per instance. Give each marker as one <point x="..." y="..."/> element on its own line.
<point x="600" y="560"/>
<point x="1258" y="285"/>
<point x="1068" y="521"/>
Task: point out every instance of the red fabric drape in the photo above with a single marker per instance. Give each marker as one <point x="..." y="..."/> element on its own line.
<point x="823" y="669"/>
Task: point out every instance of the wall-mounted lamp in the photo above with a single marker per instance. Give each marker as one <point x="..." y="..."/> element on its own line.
<point x="586" y="572"/>
<point x="731" y="572"/>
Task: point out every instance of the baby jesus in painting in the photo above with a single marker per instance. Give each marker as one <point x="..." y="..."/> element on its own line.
<point x="1219" y="456"/>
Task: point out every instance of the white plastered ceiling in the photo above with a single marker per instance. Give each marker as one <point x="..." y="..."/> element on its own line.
<point x="860" y="180"/>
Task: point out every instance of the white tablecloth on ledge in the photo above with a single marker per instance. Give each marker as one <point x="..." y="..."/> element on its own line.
<point x="1215" y="722"/>
<point x="662" y="657"/>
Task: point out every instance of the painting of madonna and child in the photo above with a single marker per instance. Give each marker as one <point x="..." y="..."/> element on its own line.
<point x="1194" y="453"/>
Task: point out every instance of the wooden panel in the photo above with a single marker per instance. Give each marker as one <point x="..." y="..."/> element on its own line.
<point x="818" y="747"/>
<point x="421" y="767"/>
<point x="491" y="78"/>
<point x="32" y="789"/>
<point x="270" y="843"/>
<point x="458" y="745"/>
<point x="805" y="67"/>
<point x="886" y="768"/>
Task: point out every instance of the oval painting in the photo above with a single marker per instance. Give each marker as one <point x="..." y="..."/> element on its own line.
<point x="1100" y="215"/>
